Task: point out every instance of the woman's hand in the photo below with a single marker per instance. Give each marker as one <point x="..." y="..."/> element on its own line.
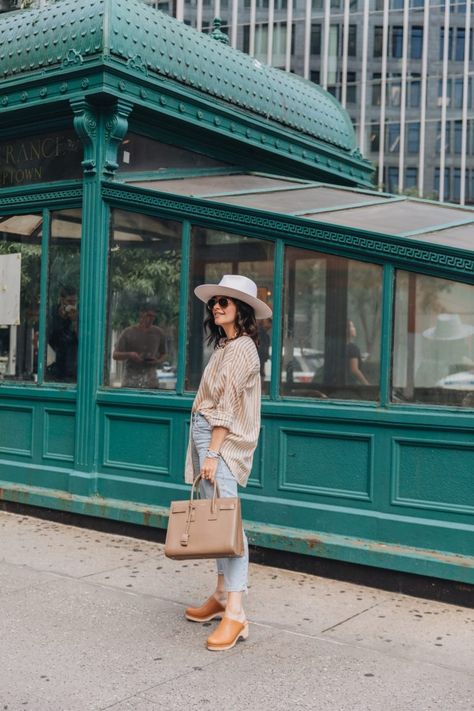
<point x="209" y="469"/>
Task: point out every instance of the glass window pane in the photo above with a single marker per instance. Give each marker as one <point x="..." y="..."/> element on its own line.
<point x="143" y="308"/>
<point x="139" y="153"/>
<point x="433" y="347"/>
<point x="20" y="267"/>
<point x="37" y="159"/>
<point x="213" y="254"/>
<point x="331" y="327"/>
<point x="63" y="296"/>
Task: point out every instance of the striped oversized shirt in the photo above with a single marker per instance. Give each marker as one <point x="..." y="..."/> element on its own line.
<point x="229" y="396"/>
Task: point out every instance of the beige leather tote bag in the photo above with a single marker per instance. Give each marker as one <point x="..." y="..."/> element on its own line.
<point x="204" y="528"/>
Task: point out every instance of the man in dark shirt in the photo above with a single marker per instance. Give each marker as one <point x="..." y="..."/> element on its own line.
<point x="142" y="347"/>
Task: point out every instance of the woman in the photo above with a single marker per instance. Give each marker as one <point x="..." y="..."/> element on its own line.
<point x="224" y="434"/>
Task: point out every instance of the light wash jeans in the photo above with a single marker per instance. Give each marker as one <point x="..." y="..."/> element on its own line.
<point x="235" y="570"/>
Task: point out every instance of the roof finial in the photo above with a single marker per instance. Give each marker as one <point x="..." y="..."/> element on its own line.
<point x="217" y="33"/>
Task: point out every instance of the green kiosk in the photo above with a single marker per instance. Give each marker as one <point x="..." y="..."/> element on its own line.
<point x="139" y="158"/>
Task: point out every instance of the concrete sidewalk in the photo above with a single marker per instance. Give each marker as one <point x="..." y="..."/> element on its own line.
<point x="94" y="621"/>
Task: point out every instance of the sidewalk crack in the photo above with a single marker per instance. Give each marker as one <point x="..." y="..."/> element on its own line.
<point x="352" y="617"/>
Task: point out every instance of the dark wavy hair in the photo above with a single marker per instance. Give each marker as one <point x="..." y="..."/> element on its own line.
<point x="245" y="322"/>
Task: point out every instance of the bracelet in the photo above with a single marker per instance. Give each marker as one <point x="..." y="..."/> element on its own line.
<point x="211" y="454"/>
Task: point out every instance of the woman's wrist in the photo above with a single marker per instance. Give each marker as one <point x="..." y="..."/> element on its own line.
<point x="212" y="454"/>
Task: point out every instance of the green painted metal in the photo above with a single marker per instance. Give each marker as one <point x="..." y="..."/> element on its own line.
<point x="73" y="50"/>
<point x="183" y="308"/>
<point x="278" y="290"/>
<point x="151" y="42"/>
<point x="386" y="337"/>
<point x="351" y="242"/>
<point x="331" y="478"/>
<point x="101" y="133"/>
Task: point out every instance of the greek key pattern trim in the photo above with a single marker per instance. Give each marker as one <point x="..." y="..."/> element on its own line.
<point x="43" y="198"/>
<point x="288" y="226"/>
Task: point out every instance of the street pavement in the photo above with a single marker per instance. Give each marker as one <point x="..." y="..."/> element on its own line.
<point x="94" y="621"/>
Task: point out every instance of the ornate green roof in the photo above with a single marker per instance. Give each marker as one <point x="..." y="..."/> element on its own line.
<point x="131" y="33"/>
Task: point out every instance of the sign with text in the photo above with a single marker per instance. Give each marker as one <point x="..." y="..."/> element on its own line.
<point x="37" y="159"/>
<point x="10" y="285"/>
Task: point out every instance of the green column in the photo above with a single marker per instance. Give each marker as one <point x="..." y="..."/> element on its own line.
<point x="101" y="130"/>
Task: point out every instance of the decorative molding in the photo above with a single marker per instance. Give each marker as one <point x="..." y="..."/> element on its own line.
<point x="72" y="59"/>
<point x="116" y="127"/>
<point x="85" y="124"/>
<point x="45" y="198"/>
<point x="286" y="226"/>
<point x="136" y="62"/>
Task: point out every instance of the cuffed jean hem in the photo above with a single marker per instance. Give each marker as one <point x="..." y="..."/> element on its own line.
<point x="234" y="570"/>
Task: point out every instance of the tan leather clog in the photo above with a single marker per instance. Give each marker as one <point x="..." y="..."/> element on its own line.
<point x="227" y="634"/>
<point x="211" y="609"/>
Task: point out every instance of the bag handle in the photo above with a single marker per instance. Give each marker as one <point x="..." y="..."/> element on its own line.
<point x="216" y="494"/>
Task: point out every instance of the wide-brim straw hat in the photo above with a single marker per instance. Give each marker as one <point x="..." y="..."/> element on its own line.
<point x="449" y="327"/>
<point x="237" y="287"/>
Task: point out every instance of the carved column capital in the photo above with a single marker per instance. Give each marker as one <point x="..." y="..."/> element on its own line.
<point x="101" y="131"/>
<point x="86" y="127"/>
<point x="116" y="127"/>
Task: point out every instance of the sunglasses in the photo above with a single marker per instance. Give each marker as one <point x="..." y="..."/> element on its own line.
<point x="223" y="302"/>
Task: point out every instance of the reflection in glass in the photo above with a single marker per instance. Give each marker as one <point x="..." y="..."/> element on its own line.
<point x="20" y="267"/>
<point x="139" y="153"/>
<point x="63" y="296"/>
<point x="215" y="253"/>
<point x="433" y="349"/>
<point x="143" y="308"/>
<point x="331" y="326"/>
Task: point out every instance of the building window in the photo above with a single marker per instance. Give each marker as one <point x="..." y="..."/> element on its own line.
<point x="416" y="42"/>
<point x="63" y="322"/>
<point x="378" y="40"/>
<point x="456" y="44"/>
<point x="414" y="91"/>
<point x="411" y="177"/>
<point x="213" y="254"/>
<point x="392" y="179"/>
<point x="315" y="47"/>
<point x="393" y="137"/>
<point x="375" y="137"/>
<point x="20" y="269"/>
<point x="458" y="137"/>
<point x="315" y="76"/>
<point x="143" y="305"/>
<point x="395" y="89"/>
<point x="331" y="327"/>
<point x="433" y="341"/>
<point x="457" y="186"/>
<point x="352" y="41"/>
<point x="351" y="88"/>
<point x="261" y="42"/>
<point x="413" y="137"/>
<point x="397" y="42"/>
<point x="376" y="89"/>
